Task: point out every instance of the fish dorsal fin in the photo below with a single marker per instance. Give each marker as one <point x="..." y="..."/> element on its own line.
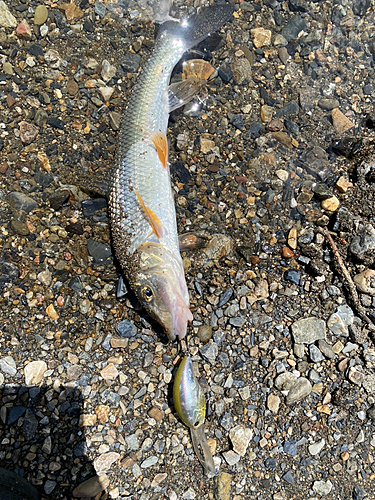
<point x="181" y="93"/>
<point x="159" y="140"/>
<point x="154" y="220"/>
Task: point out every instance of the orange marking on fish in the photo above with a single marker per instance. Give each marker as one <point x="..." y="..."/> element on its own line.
<point x="154" y="220"/>
<point x="160" y="142"/>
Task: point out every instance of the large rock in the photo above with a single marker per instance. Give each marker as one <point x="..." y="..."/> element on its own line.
<point x="308" y="330"/>
<point x="363" y="244"/>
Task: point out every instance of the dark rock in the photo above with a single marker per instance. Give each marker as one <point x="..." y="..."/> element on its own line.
<point x="290" y="448"/>
<point x="178" y="168"/>
<point x="43" y="179"/>
<point x="55" y="122"/>
<point x="315" y="161"/>
<point x="322" y="191"/>
<point x="80" y="449"/>
<point x="293" y="27"/>
<point x="130" y="63"/>
<point x="315" y="355"/>
<point x="292" y="275"/>
<point x="328" y="104"/>
<point x="41" y="117"/>
<point x="291" y="108"/>
<point x="270" y="463"/>
<point x="100" y="252"/>
<point x="15" y="413"/>
<point x="225" y="73"/>
<point x="363" y="244"/>
<point x="75" y="284"/>
<point x="371" y="412"/>
<point x="368" y="89"/>
<point x="288" y="477"/>
<point x="8" y="272"/>
<point x="75" y="228"/>
<point x="360" y="7"/>
<point x="291" y="127"/>
<point x="58" y="198"/>
<point x="19" y="227"/>
<point x="89" y="207"/>
<point x="225" y="297"/>
<point x="35" y="50"/>
<point x="237" y="121"/>
<point x="256" y="130"/>
<point x="88" y="26"/>
<point x="326" y="349"/>
<point x="298" y="5"/>
<point x="126" y="329"/>
<point x="20" y="201"/>
<point x="30" y="425"/>
<point x="358" y="492"/>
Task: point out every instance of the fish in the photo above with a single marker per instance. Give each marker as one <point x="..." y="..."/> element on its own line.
<point x="190" y="404"/>
<point x="141" y="207"/>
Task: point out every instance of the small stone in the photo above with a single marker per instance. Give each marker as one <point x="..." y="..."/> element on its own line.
<point x="51" y="312"/>
<point x="103" y="462"/>
<point x="285" y="381"/>
<point x="240" y="437"/>
<point x="91" y="487"/>
<point x="110" y="372"/>
<point x="316" y="448"/>
<point x="49" y="486"/>
<point x="293" y="27"/>
<point x="315" y="355"/>
<point x="299" y="391"/>
<point x="308" y="330"/>
<point x="339" y="321"/>
<point x="149" y="462"/>
<point x="231" y="457"/>
<point x="102" y="412"/>
<point x="292" y="238"/>
<point x="365" y="281"/>
<point x="363" y="244"/>
<point x="322" y="488"/>
<point x="209" y="352"/>
<point x="126" y="329"/>
<point x="288" y="477"/>
<point x="340" y="122"/>
<point x="222" y="486"/>
<point x="40" y="15"/>
<point x="266" y="113"/>
<point x="108" y="71"/>
<point x="23" y="31"/>
<point x="356" y="376"/>
<point x="206" y="145"/>
<point x="28" y="132"/>
<point x="130" y="63"/>
<point x="330" y="204"/>
<point x="287" y="253"/>
<point x="8" y="70"/>
<point x="34" y="372"/>
<point x="241" y="70"/>
<point x="326" y="349"/>
<point x="19" y="227"/>
<point x="343" y="184"/>
<point x="204" y="333"/>
<point x="8" y="366"/>
<point x="358" y="492"/>
<point x="87" y="420"/>
<point x="328" y="104"/>
<point x="7" y="20"/>
<point x="273" y="403"/>
<point x="159" y="478"/>
<point x="261" y="37"/>
<point x="114" y="120"/>
<point x="156" y="414"/>
<point x="106" y="92"/>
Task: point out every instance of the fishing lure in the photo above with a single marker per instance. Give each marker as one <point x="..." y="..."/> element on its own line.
<point x="190" y="404"/>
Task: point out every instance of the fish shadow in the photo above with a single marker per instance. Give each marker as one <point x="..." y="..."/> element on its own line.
<point x="42" y="441"/>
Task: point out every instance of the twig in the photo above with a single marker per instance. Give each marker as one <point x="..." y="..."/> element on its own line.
<point x="351" y="286"/>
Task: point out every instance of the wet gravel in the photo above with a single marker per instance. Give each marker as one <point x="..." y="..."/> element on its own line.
<point x="278" y="145"/>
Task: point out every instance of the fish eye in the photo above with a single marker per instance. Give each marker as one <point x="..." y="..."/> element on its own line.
<point x="196" y="423"/>
<point x="147" y="293"/>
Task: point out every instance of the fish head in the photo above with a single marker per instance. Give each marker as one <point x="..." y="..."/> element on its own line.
<point x="161" y="288"/>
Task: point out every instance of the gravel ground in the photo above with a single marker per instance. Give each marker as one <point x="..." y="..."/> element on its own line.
<point x="277" y="150"/>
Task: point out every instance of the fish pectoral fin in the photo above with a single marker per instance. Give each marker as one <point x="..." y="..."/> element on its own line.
<point x="159" y="140"/>
<point x="200" y="446"/>
<point x="154" y="220"/>
<point x="181" y="93"/>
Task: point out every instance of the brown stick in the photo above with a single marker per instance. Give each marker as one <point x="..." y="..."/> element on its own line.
<point x="345" y="273"/>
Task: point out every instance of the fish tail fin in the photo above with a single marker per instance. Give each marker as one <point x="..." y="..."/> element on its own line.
<point x="200" y="25"/>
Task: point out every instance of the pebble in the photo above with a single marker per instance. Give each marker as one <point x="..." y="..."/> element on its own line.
<point x="231" y="457"/>
<point x="358" y="493"/>
<point x="23" y="30"/>
<point x="110" y="372"/>
<point x="8" y="366"/>
<point x="240" y="437"/>
<point x="339" y="321"/>
<point x="40" y="15"/>
<point x="330" y="204"/>
<point x="130" y="62"/>
<point x="7" y="20"/>
<point x="103" y="462"/>
<point x="343" y="184"/>
<point x="288" y="477"/>
<point x="293" y="27"/>
<point x="363" y="244"/>
<point x="315" y="354"/>
<point x="222" y="486"/>
<point x="365" y="281"/>
<point x="322" y="488"/>
<point x="326" y="349"/>
<point x="114" y="120"/>
<point x="204" y="333"/>
<point x="91" y="487"/>
<point x="340" y="122"/>
<point x="273" y="403"/>
<point x="149" y="462"/>
<point x="209" y="351"/>
<point x="299" y="391"/>
<point x="308" y="330"/>
<point x="316" y="448"/>
<point x="292" y="238"/>
<point x="108" y="71"/>
<point x="28" y="132"/>
<point x="261" y="37"/>
<point x="355" y="375"/>
<point x="285" y="381"/>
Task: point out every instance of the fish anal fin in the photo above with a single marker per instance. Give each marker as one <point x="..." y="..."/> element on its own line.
<point x="159" y="140"/>
<point x="154" y="220"/>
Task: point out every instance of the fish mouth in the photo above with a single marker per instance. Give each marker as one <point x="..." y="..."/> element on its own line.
<point x="180" y="317"/>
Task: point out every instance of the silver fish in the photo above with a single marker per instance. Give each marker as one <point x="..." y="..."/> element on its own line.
<point x="141" y="207"/>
